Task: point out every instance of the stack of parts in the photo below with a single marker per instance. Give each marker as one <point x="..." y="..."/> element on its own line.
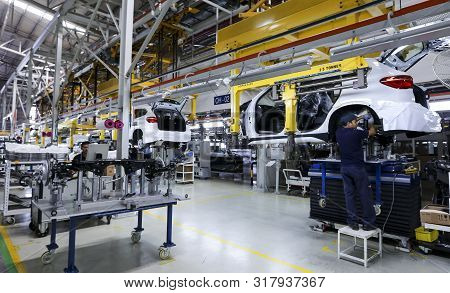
<point x="403" y="219"/>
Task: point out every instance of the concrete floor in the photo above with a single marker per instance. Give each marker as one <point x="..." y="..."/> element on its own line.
<point x="225" y="227"/>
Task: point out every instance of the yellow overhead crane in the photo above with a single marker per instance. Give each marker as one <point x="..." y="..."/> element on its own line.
<point x="282" y="18"/>
<point x="288" y="83"/>
<point x="111" y="86"/>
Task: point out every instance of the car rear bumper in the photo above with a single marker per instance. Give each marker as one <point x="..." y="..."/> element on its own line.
<point x="409" y="117"/>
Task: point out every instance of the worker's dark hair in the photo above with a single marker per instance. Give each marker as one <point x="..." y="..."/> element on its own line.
<point x="85" y="143"/>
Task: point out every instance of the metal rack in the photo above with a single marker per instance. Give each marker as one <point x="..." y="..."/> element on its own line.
<point x="439" y="227"/>
<point x="185" y="173"/>
<point x="9" y="209"/>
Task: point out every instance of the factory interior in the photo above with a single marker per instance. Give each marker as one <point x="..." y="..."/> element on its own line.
<point x="224" y="136"/>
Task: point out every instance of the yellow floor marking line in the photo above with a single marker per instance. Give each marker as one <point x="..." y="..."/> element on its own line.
<point x="12" y="250"/>
<point x="232" y="244"/>
<point x="413" y="253"/>
<point x="167" y="261"/>
<point x="327" y="249"/>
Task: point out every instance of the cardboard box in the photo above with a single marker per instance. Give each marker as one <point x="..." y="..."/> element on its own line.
<point x="110" y="171"/>
<point x="435" y="214"/>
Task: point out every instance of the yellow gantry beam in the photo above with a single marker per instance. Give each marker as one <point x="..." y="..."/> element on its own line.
<point x="346" y="65"/>
<point x="284" y="17"/>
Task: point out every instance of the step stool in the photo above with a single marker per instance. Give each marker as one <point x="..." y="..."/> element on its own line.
<point x="362" y="235"/>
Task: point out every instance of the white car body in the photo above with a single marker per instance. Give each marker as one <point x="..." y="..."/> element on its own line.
<point x="167" y="124"/>
<point x="396" y="107"/>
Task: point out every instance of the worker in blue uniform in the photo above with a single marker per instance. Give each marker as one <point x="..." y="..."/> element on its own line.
<point x="350" y="139"/>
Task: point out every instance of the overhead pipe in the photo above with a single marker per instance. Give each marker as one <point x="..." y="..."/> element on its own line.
<point x="427" y="32"/>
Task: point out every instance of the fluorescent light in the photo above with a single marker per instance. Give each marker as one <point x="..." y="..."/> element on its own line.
<point x="41" y="13"/>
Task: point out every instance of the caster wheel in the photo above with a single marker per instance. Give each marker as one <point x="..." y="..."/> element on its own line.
<point x="322" y="202"/>
<point x="135" y="237"/>
<point x="108" y="219"/>
<point x="41" y="234"/>
<point x="31" y="226"/>
<point x="377" y="209"/>
<point x="425" y="250"/>
<point x="164" y="253"/>
<point x="10" y="220"/>
<point x="47" y="257"/>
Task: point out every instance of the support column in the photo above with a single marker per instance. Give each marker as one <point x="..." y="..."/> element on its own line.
<point x="3" y="98"/>
<point x="14" y="108"/>
<point x="235" y="115"/>
<point x="29" y="87"/>
<point x="57" y="84"/>
<point x="126" y="41"/>
<point x="290" y="126"/>
<point x="193" y="115"/>
<point x="95" y="82"/>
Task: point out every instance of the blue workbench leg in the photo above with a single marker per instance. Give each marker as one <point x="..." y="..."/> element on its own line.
<point x="169" y="242"/>
<point x="324" y="178"/>
<point x="53" y="246"/>
<point x="139" y="226"/>
<point x="47" y="257"/>
<point x="71" y="268"/>
<point x="378" y="185"/>
<point x="323" y="190"/>
<point x="136" y="234"/>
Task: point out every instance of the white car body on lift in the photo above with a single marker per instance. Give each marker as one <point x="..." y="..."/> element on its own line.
<point x="159" y="122"/>
<point x="396" y="109"/>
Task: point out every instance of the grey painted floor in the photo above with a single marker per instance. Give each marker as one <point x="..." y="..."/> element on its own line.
<point x="225" y="227"/>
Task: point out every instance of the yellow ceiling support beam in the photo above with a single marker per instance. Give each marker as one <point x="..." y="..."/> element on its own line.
<point x="346" y="65"/>
<point x="193" y="10"/>
<point x="283" y="17"/>
<point x="252" y="11"/>
<point x="108" y="115"/>
<point x="154" y="55"/>
<point x="113" y="85"/>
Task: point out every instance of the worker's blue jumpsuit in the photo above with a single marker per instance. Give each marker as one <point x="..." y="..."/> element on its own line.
<point x="354" y="174"/>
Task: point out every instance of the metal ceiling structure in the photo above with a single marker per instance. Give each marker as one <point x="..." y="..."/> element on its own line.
<point x="43" y="35"/>
<point x="70" y="57"/>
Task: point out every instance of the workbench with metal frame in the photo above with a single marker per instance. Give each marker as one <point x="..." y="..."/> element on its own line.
<point x="75" y="218"/>
<point x="118" y="201"/>
<point x="377" y="176"/>
<point x="8" y="208"/>
<point x="378" y="164"/>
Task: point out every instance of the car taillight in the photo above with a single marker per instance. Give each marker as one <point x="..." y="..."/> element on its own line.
<point x="152" y="120"/>
<point x="398" y="81"/>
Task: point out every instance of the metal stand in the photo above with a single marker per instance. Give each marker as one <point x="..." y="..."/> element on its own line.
<point x="164" y="250"/>
<point x="71" y="268"/>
